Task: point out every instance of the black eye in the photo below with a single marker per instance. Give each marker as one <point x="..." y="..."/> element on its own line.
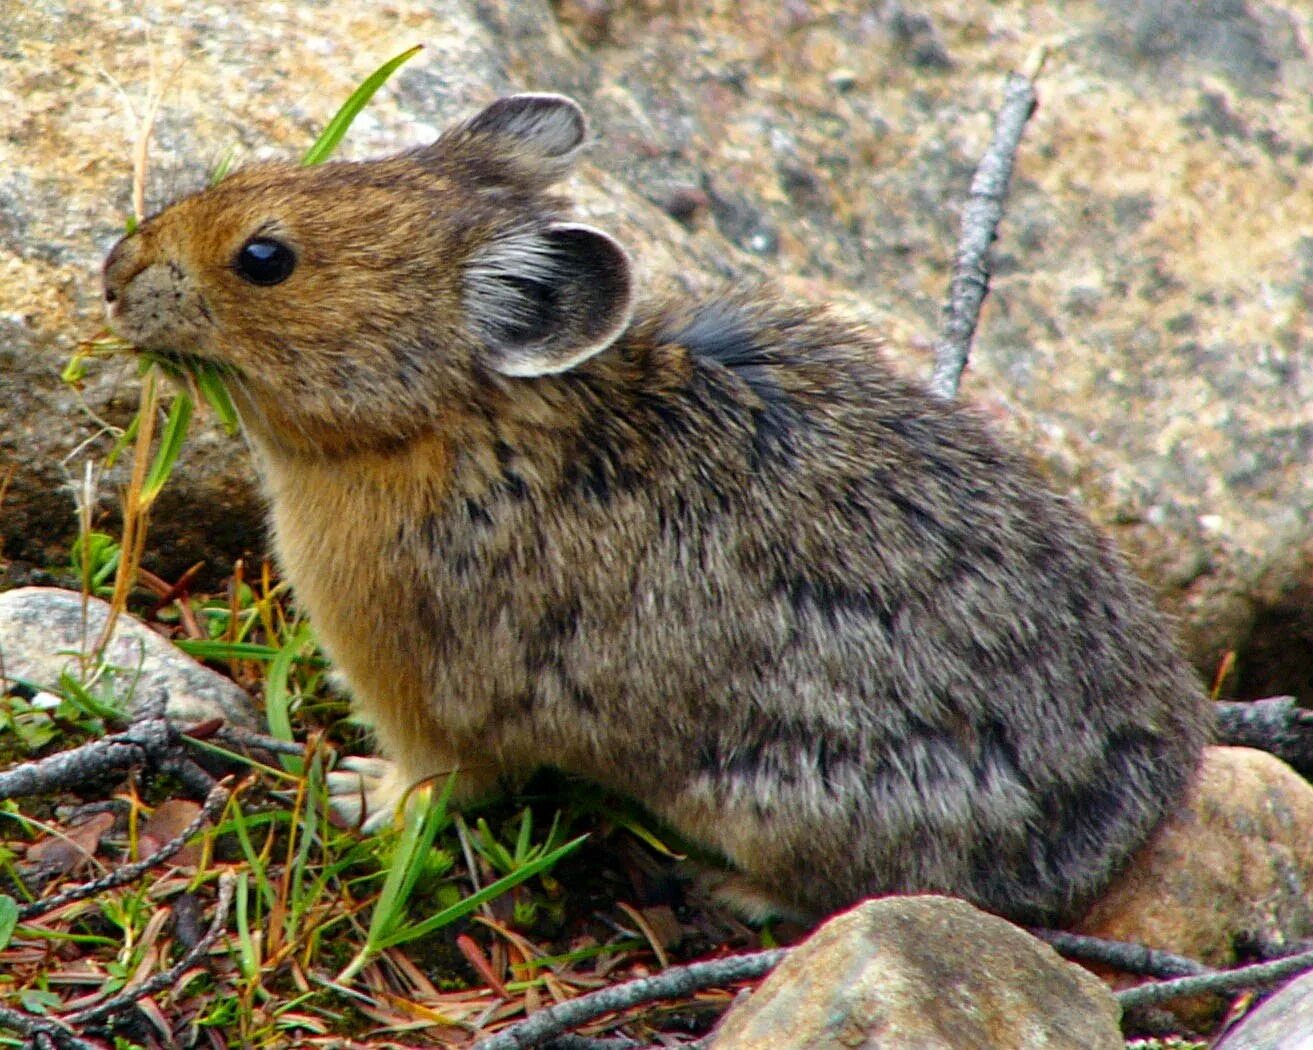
<point x="264" y="261"/>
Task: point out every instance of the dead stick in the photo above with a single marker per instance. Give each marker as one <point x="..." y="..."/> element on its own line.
<point x="41" y="1032"/>
<point x="1219" y="983"/>
<point x="1121" y="955"/>
<point x="170" y="977"/>
<point x="57" y="1032"/>
<point x="669" y="984"/>
<point x="1276" y="724"/>
<point x="133" y="747"/>
<point x="127" y="873"/>
<point x="980" y="219"/>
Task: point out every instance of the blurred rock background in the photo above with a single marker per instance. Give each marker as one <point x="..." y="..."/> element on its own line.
<point x="1148" y="331"/>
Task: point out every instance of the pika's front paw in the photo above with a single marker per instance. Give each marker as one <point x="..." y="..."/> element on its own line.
<point x="364" y="793"/>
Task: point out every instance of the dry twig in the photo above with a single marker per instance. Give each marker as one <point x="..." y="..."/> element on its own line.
<point x="1277" y="724"/>
<point x="980" y="219"/>
<point x="60" y="1031"/>
<point x="152" y="741"/>
<point x="126" y="873"/>
<point x="1120" y="955"/>
<point x="669" y="984"/>
<point x="1219" y="982"/>
<point x="227" y="884"/>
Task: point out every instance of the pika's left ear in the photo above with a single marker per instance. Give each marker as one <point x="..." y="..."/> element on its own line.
<point x="542" y="302"/>
<point x="535" y="137"/>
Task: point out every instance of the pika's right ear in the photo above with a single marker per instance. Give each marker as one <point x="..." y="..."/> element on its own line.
<point x="540" y="134"/>
<point x="542" y="301"/>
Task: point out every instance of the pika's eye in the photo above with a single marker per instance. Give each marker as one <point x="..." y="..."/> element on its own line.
<point x="265" y="261"/>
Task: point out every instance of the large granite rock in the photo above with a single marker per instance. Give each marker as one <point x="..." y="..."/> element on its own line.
<point x="1148" y="330"/>
<point x="1230" y="872"/>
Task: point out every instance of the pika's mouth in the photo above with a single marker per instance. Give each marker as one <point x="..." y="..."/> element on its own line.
<point x="140" y="342"/>
<point x="175" y="359"/>
<point x="201" y="376"/>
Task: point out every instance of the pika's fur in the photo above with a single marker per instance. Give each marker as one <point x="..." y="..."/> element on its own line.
<point x="716" y="555"/>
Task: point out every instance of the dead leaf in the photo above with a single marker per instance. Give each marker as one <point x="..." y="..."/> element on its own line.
<point x="170" y="820"/>
<point x="62" y="854"/>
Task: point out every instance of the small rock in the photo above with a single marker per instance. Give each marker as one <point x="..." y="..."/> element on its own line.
<point x="1283" y="1022"/>
<point x="685" y="203"/>
<point x="590" y="19"/>
<point x="917" y="37"/>
<point x="42" y="631"/>
<point x="1233" y="867"/>
<point x="926" y="972"/>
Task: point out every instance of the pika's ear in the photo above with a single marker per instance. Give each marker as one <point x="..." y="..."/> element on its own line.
<point x="538" y="134"/>
<point x="544" y="301"/>
<point x="551" y="125"/>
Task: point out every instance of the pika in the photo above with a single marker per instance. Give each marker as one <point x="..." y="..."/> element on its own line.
<point x="718" y="556"/>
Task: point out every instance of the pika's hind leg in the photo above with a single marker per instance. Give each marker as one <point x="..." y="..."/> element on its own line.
<point x="749" y="900"/>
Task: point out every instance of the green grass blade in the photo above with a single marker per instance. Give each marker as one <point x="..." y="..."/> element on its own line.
<point x="421" y="830"/>
<point x="166" y="456"/>
<point x="490" y="892"/>
<point x="215" y="650"/>
<point x="337" y="127"/>
<point x="248" y="955"/>
<point x="75" y="369"/>
<point x="123" y="441"/>
<point x="417" y="837"/>
<point x="77" y="694"/>
<point x="494" y="851"/>
<point x="639" y="831"/>
<point x="8" y="919"/>
<point x="523" y="843"/>
<point x="223" y="167"/>
<point x="209" y="381"/>
<point x="278" y="695"/>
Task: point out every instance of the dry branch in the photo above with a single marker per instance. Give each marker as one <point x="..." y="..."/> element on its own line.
<point x="1120" y="955"/>
<point x="1220" y="982"/>
<point x="669" y="984"/>
<point x="980" y="219"/>
<point x="150" y="741"/>
<point x="61" y="1031"/>
<point x="1276" y="724"/>
<point x="127" y="873"/>
<point x="171" y="976"/>
<point x="41" y="1033"/>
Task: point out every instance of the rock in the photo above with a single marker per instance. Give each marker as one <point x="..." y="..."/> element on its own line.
<point x="1282" y="1022"/>
<point x="1233" y="868"/>
<point x="41" y="633"/>
<point x="926" y="972"/>
<point x="1148" y="329"/>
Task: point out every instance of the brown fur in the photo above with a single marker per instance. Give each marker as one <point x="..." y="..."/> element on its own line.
<point x="717" y="556"/>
